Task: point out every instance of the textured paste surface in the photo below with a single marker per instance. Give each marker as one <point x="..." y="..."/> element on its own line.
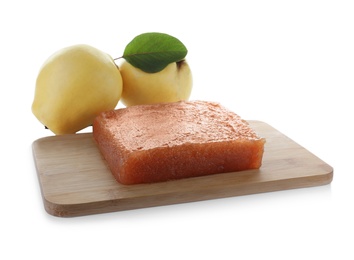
<point x="152" y="143"/>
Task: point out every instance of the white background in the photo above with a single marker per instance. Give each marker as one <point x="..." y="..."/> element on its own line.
<point x="287" y="63"/>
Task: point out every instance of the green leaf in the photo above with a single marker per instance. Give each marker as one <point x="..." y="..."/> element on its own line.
<point x="152" y="52"/>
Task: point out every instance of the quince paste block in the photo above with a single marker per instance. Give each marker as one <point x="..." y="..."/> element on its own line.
<point x="169" y="141"/>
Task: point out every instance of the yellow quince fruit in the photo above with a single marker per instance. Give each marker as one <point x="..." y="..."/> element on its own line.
<point x="73" y="86"/>
<point x="173" y="83"/>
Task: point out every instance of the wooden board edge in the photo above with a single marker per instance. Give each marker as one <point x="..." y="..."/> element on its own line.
<point x="100" y="207"/>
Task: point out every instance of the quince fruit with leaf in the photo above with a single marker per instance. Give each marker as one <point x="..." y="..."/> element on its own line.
<point x="79" y="82"/>
<point x="155" y="70"/>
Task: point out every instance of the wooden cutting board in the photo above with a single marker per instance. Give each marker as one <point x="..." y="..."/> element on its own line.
<point x="75" y="180"/>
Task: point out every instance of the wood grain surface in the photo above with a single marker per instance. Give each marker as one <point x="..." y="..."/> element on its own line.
<point x="75" y="180"/>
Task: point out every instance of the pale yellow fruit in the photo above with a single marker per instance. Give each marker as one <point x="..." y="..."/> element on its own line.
<point x="173" y="83"/>
<point x="73" y="86"/>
